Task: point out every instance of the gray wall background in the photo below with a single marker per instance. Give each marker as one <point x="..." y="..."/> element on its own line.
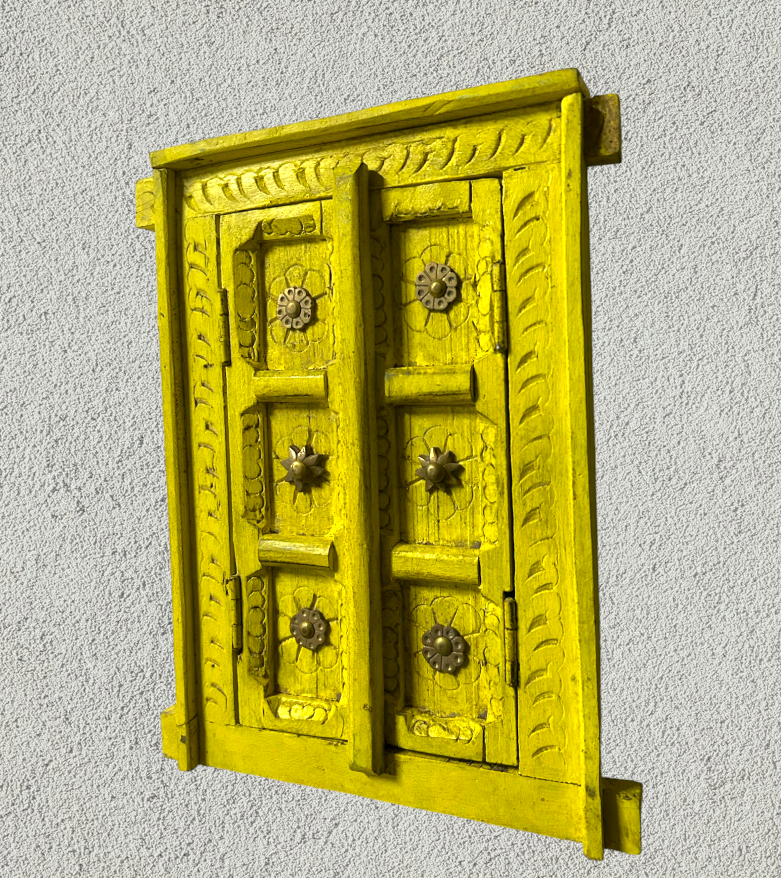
<point x="686" y="363"/>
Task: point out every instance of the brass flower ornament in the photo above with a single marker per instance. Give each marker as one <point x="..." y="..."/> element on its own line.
<point x="304" y="466"/>
<point x="309" y="628"/>
<point x="436" y="286"/>
<point x="444" y="648"/>
<point x="294" y="308"/>
<point x="439" y="470"/>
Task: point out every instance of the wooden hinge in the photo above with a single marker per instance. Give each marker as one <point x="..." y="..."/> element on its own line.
<point x="511" y="641"/>
<point x="499" y="292"/>
<point x="234" y="593"/>
<point x="225" y="332"/>
<point x="602" y="130"/>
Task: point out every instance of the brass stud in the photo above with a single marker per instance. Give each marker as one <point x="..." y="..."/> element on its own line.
<point x="436" y="286"/>
<point x="439" y="470"/>
<point x="444" y="649"/>
<point x="295" y="308"/>
<point x="304" y="466"/>
<point x="309" y="628"/>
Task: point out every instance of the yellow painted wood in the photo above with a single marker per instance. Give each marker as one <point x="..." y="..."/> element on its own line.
<point x="358" y="540"/>
<point x="290" y="387"/>
<point x="280" y="686"/>
<point x="208" y="470"/>
<point x="548" y="700"/>
<point x="436" y="199"/>
<point x="172" y="371"/>
<point x="145" y="204"/>
<point x="580" y="458"/>
<point x="180" y="742"/>
<point x="511" y="95"/>
<point x="462" y="789"/>
<point x="445" y="385"/>
<point x="446" y="537"/>
<point x="436" y="563"/>
<point x="621" y="802"/>
<point x="602" y="130"/>
<point x="308" y="551"/>
<point x="483" y="146"/>
<point x="492" y="182"/>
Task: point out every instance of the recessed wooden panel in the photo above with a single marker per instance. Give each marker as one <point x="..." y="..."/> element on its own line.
<point x="448" y="518"/>
<point x="294" y="263"/>
<point x="310" y="512"/>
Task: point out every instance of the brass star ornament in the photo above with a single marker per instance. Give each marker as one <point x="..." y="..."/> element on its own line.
<point x="439" y="470"/>
<point x="304" y="467"/>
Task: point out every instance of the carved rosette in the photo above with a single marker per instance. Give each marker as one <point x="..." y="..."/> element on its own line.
<point x="436" y="323"/>
<point x="316" y="282"/>
<point x="443" y="504"/>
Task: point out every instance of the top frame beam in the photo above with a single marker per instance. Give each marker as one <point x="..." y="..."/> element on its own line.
<point x="513" y="94"/>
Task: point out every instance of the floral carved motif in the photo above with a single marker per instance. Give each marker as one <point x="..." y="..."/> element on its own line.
<point x="317" y="284"/>
<point x="308" y="662"/>
<point x="303" y="502"/>
<point x="442" y="505"/>
<point x="435" y="323"/>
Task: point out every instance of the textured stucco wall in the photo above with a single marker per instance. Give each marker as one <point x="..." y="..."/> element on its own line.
<point x="687" y="371"/>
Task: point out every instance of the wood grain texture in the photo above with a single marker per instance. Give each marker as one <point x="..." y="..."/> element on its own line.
<point x="512" y="95"/>
<point x="548" y="708"/>
<point x="583" y="521"/>
<point x="430" y="154"/>
<point x="499" y="797"/>
<point x="173" y="371"/>
<point x="208" y="450"/>
<point x="445" y="385"/>
<point x="280" y="685"/>
<point x="358" y="539"/>
<point x="145" y="204"/>
<point x="431" y="563"/>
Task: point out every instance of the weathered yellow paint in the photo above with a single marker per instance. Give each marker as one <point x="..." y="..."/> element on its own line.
<point x="290" y="387"/>
<point x="491" y="182"/>
<point x="169" y="318"/>
<point x="446" y="385"/>
<point x="621" y="801"/>
<point x="145" y="204"/>
<point x="435" y="199"/>
<point x="358" y="538"/>
<point x="411" y="561"/>
<point x="502" y="96"/>
<point x="307" y="551"/>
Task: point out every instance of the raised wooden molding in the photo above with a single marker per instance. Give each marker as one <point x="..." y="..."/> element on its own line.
<point x="510" y="95"/>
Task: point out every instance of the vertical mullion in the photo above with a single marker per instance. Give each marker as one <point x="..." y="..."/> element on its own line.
<point x="358" y="542"/>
